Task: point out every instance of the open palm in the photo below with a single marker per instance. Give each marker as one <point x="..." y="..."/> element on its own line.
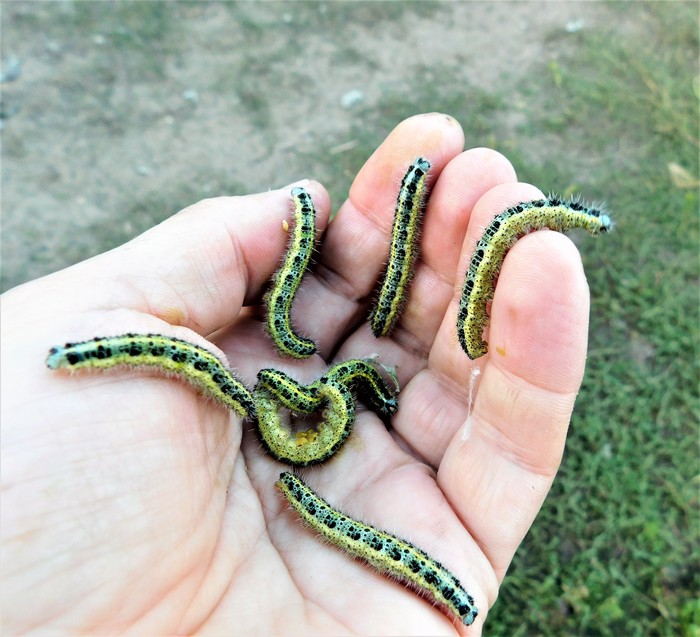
<point x="133" y="505"/>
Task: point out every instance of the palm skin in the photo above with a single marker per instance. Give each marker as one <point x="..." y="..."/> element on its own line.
<point x="133" y="505"/>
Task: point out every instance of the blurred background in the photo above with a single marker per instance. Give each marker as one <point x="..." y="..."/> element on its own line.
<point x="115" y="115"/>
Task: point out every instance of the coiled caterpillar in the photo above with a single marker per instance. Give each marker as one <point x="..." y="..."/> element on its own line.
<point x="332" y="394"/>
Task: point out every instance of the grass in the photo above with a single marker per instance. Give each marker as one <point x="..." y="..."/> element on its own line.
<point x="622" y="521"/>
<point x="615" y="549"/>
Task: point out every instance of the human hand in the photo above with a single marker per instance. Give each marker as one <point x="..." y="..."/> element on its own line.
<point x="131" y="504"/>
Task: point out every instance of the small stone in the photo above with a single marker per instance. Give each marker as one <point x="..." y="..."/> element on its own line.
<point x="191" y="95"/>
<point x="574" y="26"/>
<point x="11" y="70"/>
<point x="352" y="98"/>
<point x="54" y="47"/>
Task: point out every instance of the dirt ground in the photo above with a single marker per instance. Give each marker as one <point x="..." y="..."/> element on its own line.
<point x="115" y="115"/>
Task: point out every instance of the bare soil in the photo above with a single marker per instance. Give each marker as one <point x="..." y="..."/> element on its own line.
<point x="116" y="115"/>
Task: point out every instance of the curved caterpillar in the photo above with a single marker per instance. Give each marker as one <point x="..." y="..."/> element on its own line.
<point x="310" y="446"/>
<point x="288" y="392"/>
<point x="403" y="250"/>
<point x="362" y="374"/>
<point x="500" y="235"/>
<point x="385" y="552"/>
<point x="189" y="362"/>
<point x="287" y="279"/>
<point x="330" y="393"/>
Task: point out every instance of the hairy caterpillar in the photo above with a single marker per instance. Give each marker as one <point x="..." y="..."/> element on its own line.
<point x="403" y="250"/>
<point x="288" y="392"/>
<point x="189" y="362"/>
<point x="330" y="393"/>
<point x="358" y="373"/>
<point x="500" y="235"/>
<point x="310" y="446"/>
<point x="287" y="279"/>
<point x="362" y="374"/>
<point x="385" y="552"/>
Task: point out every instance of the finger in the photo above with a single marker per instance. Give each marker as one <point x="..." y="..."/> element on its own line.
<point x="196" y="269"/>
<point x="437" y="400"/>
<point x="460" y="185"/>
<point x="500" y="464"/>
<point x="356" y="245"/>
